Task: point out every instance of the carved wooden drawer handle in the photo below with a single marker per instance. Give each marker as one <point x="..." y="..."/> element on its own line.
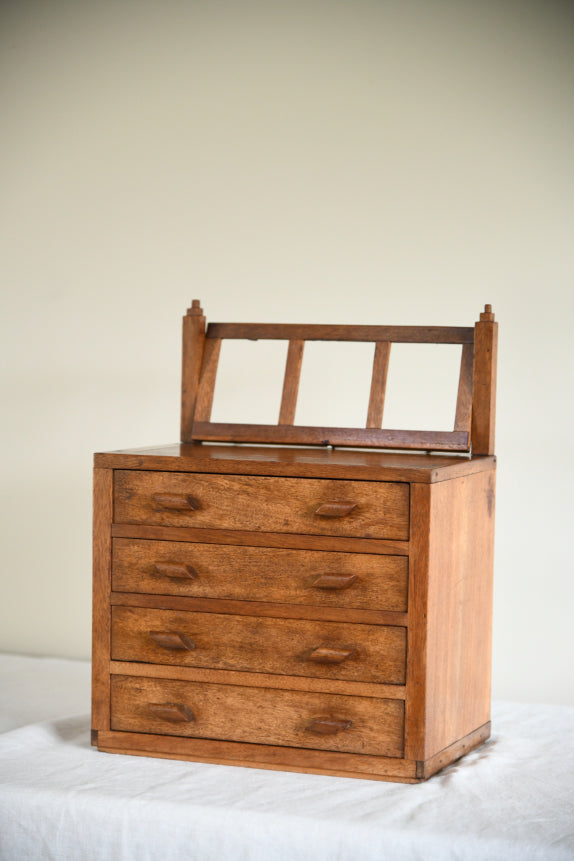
<point x="174" y="712"/>
<point x="172" y="640"/>
<point x="328" y="726"/>
<point x="334" y="581"/>
<point x="329" y="655"/>
<point x="170" y="569"/>
<point x="335" y="509"/>
<point x="176" y="501"/>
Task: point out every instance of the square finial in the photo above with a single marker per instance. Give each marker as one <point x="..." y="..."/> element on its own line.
<point x="487" y="315"/>
<point x="195" y="310"/>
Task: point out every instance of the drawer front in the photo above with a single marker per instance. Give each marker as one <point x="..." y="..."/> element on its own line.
<point x="362" y="509"/>
<point x="258" y="715"/>
<point x="354" y="580"/>
<point x="295" y="647"/>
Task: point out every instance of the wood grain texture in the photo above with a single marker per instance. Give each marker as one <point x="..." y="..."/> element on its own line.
<point x="271" y="757"/>
<point x="459" y="620"/>
<point x="415" y="711"/>
<point x="102" y="545"/>
<point x="265" y="716"/>
<point x="465" y="383"/>
<point x="319" y="332"/>
<point x="252" y="503"/>
<point x="193" y="341"/>
<point x="259" y="680"/>
<point x="296" y="462"/>
<point x="291" y="382"/>
<point x="484" y="387"/>
<point x="260" y="539"/>
<point x="260" y="574"/>
<point x="253" y="644"/>
<point x="324" y="436"/>
<point x="206" y="388"/>
<point x="378" y="384"/>
<point x="453" y="752"/>
<point x="259" y="608"/>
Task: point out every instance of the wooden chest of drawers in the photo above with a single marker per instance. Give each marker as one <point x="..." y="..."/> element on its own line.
<point x="301" y="609"/>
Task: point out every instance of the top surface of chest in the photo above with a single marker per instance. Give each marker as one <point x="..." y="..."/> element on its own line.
<point x="296" y="462"/>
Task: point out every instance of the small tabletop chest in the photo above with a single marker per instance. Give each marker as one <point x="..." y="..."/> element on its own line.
<point x="322" y="608"/>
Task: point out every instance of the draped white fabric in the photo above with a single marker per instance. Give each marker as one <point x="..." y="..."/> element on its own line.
<point x="62" y="799"/>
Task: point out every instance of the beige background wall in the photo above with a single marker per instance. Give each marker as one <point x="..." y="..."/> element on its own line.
<point x="392" y="162"/>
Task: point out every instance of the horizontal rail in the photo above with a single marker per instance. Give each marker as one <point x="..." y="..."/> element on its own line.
<point x="317" y="332"/>
<point x="301" y="435"/>
<point x="202" y="535"/>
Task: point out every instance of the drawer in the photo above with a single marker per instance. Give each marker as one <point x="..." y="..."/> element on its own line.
<point x="295" y="647"/>
<point x="321" y="578"/>
<point x="258" y="715"/>
<point x="365" y="509"/>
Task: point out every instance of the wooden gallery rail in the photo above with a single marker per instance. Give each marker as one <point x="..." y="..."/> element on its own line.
<point x="474" y="418"/>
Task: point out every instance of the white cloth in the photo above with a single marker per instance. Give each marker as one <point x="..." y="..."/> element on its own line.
<point x="60" y="798"/>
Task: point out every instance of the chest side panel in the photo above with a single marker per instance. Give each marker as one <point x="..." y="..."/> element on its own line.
<point x="459" y="635"/>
